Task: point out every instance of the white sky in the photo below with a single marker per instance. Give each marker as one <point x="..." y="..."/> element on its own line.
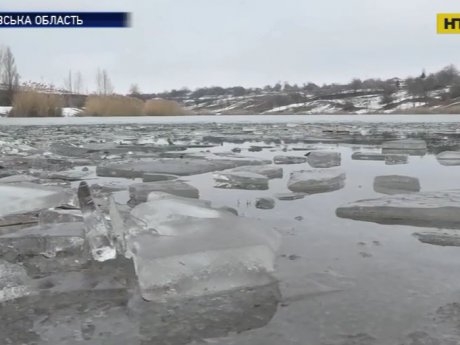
<point x="176" y="43"/>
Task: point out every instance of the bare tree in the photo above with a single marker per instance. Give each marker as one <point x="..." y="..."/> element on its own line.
<point x="68" y="82"/>
<point x="104" y="84"/>
<point x="78" y="83"/>
<point x="134" y="90"/>
<point x="356" y="84"/>
<point x="9" y="73"/>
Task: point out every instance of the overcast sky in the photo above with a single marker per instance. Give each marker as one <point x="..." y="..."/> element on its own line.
<point x="193" y="43"/>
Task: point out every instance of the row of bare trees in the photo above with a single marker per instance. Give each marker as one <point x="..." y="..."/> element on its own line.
<point x="9" y="76"/>
<point x="74" y="84"/>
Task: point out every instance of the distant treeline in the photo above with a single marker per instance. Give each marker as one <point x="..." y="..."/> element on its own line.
<point x="447" y="80"/>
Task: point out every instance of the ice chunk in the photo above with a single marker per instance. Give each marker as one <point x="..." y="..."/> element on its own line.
<point x="158" y="177"/>
<point x="289" y="196"/>
<point x="153" y="196"/>
<point x="27" y="197"/>
<point x="396" y="159"/>
<point x="69" y="175"/>
<point x="439" y="239"/>
<point x="324" y="159"/>
<point x="289" y="160"/>
<point x="140" y="191"/>
<point x="154" y="216"/>
<point x="449" y="158"/>
<point x="269" y="171"/>
<point x="182" y="247"/>
<point x="426" y="209"/>
<point x="14" y="282"/>
<point x="49" y="240"/>
<point x="205" y="317"/>
<point x="265" y="203"/>
<point x="97" y="228"/>
<point x="368" y="156"/>
<point x="241" y="180"/>
<point x="14" y="222"/>
<point x="395" y="184"/>
<point x="209" y="256"/>
<point x="120" y="226"/>
<point x="48" y="163"/>
<point x="52" y="216"/>
<point x="316" y="181"/>
<point x="408" y="146"/>
<point x="174" y="166"/>
<point x="18" y="179"/>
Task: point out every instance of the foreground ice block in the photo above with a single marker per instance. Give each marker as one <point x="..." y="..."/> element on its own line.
<point x="154" y="216"/>
<point x="184" y="248"/>
<point x="98" y="233"/>
<point x="27" y="197"/>
<point x="211" y="255"/>
<point x="14" y="282"/>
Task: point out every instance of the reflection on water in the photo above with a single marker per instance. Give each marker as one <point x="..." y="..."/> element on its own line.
<point x="182" y="321"/>
<point x="115" y="317"/>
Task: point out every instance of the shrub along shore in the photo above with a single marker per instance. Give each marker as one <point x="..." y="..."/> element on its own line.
<point x="36" y="104"/>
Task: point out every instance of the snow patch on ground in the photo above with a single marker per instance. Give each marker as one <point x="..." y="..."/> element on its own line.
<point x="69" y="112"/>
<point x="4" y="111"/>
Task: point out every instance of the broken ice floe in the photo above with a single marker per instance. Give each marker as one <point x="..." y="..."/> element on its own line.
<point x="240" y="180"/>
<point x="289" y="160"/>
<point x="396" y="159"/>
<point x="395" y="184"/>
<point x="26" y="197"/>
<point x="368" y="156"/>
<point x="183" y="247"/>
<point x="289" y="196"/>
<point x="139" y="191"/>
<point x="265" y="203"/>
<point x="98" y="233"/>
<point x="425" y="209"/>
<point x="58" y="215"/>
<point x="414" y="147"/>
<point x="269" y="171"/>
<point x="324" y="159"/>
<point x="180" y="167"/>
<point x="316" y="181"/>
<point x="14" y="282"/>
<point x="449" y="158"/>
<point x="439" y="238"/>
<point x="45" y="240"/>
<point x="158" y="177"/>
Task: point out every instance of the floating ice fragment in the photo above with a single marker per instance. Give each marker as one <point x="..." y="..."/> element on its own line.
<point x="97" y="228"/>
<point x="316" y="181"/>
<point x="241" y="180"/>
<point x="27" y="197"/>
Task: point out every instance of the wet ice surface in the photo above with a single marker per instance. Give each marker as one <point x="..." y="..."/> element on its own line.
<point x="341" y="281"/>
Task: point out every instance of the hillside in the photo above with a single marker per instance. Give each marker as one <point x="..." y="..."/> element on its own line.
<point x="435" y="93"/>
<point x="354" y="102"/>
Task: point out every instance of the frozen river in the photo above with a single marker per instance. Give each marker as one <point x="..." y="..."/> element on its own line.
<point x="229" y="119"/>
<point x="339" y="281"/>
